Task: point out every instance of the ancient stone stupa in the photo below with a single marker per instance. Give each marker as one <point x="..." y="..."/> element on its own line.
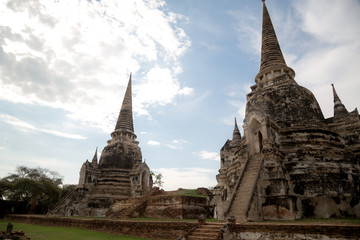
<point x="120" y="173"/>
<point x="291" y="162"/>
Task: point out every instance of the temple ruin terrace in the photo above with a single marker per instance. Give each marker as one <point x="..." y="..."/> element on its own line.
<point x="120" y="174"/>
<point x="291" y="163"/>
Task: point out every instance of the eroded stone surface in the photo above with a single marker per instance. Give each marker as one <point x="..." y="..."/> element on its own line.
<point x="120" y="173"/>
<point x="291" y="162"/>
<point x="160" y="204"/>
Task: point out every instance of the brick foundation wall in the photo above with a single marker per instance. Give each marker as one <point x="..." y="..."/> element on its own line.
<point x="147" y="229"/>
<point x="176" y="207"/>
<point x="172" y="230"/>
<point x="251" y="231"/>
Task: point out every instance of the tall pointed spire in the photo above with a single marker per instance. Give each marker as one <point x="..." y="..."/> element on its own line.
<point x="95" y="159"/>
<point x="339" y="108"/>
<point x="270" y="49"/>
<point x="125" y="119"/>
<point x="272" y="58"/>
<point x="236" y="134"/>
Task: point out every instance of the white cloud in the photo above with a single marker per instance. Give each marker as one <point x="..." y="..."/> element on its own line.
<point x="186" y="91"/>
<point x="209" y="155"/>
<point x="160" y="87"/>
<point x="179" y="141"/>
<point x="76" y="55"/>
<point x="47" y="162"/>
<point x="2" y="148"/>
<point x="173" y="146"/>
<point x="320" y="41"/>
<point x="176" y="144"/>
<point x="330" y="20"/>
<point x="145" y="133"/>
<point x="334" y="28"/>
<point x="153" y="143"/>
<point x="191" y="178"/>
<point x="24" y="126"/>
<point x="247" y="30"/>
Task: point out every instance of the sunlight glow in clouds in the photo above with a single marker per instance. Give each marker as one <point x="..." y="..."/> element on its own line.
<point x="159" y="88"/>
<point x="77" y="55"/>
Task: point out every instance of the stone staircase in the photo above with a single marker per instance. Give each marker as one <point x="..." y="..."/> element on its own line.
<point x="96" y="198"/>
<point x="240" y="204"/>
<point x="72" y="198"/>
<point x="207" y="231"/>
<point x="55" y="208"/>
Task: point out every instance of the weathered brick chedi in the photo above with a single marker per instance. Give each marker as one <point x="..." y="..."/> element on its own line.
<point x="120" y="174"/>
<point x="291" y="162"/>
<point x="160" y="204"/>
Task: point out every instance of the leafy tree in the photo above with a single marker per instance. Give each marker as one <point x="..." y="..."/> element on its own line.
<point x="4" y="186"/>
<point x="37" y="187"/>
<point x="157" y="179"/>
<point x="67" y="188"/>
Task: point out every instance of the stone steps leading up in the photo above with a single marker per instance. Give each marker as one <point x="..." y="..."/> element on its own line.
<point x="207" y="231"/>
<point x="244" y="191"/>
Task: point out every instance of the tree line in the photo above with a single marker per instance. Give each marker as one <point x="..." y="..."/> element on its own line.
<point x="35" y="189"/>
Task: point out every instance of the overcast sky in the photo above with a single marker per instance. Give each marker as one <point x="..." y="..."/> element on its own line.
<point x="64" y="66"/>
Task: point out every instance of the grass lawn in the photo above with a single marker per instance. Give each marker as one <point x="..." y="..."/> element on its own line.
<point x="189" y="193"/>
<point x="36" y="232"/>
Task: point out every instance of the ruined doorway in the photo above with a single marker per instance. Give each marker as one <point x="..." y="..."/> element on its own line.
<point x="260" y="141"/>
<point x="145" y="177"/>
<point x="255" y="137"/>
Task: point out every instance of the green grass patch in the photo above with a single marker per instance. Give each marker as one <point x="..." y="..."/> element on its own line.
<point x="189" y="193"/>
<point x="214" y="220"/>
<point x="37" y="232"/>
